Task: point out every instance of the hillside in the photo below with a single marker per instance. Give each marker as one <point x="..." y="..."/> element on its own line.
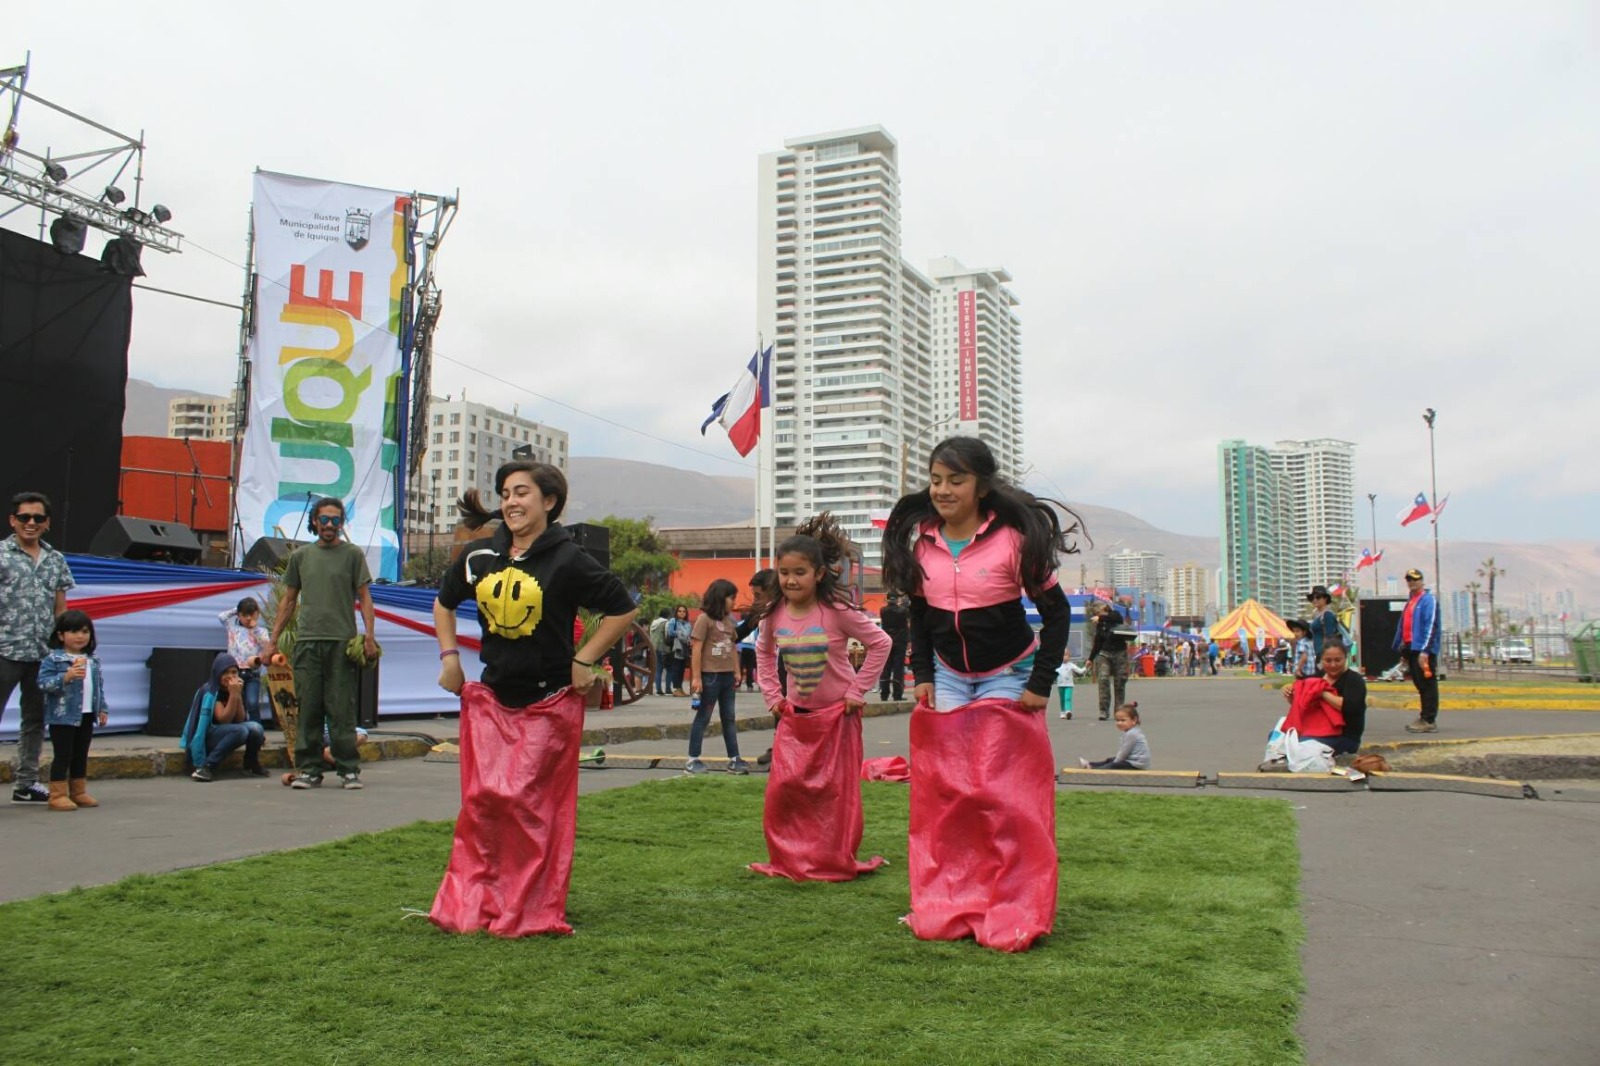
<point x="632" y="489"/>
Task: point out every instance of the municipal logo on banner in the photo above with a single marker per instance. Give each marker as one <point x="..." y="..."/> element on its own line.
<point x="357" y="228"/>
<point x="325" y="362"/>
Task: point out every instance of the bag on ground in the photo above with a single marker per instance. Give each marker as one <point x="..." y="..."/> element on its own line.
<point x="982" y="849"/>
<point x="812" y="816"/>
<point x="1306" y="756"/>
<point x="886" y="768"/>
<point x="1274" y="743"/>
<point x="511" y="860"/>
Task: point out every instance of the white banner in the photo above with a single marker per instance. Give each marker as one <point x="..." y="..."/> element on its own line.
<point x="325" y="362"/>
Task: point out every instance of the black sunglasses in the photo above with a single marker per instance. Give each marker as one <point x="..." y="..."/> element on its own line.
<point x="36" y="519"/>
<point x="329" y="520"/>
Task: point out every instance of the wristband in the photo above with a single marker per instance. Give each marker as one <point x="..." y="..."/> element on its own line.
<point x="449" y="652"/>
<point x="580" y="662"/>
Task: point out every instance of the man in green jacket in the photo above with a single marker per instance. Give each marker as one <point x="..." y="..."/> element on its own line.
<point x="325" y="579"/>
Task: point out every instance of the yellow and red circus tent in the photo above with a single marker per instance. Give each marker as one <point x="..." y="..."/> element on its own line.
<point x="1251" y="617"/>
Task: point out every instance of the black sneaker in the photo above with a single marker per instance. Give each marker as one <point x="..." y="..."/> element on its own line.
<point x="765" y="758"/>
<point x="350" y="781"/>
<point x="738" y="766"/>
<point x="202" y="773"/>
<point x="255" y="769"/>
<point x="34" y="793"/>
<point x="306" y="781"/>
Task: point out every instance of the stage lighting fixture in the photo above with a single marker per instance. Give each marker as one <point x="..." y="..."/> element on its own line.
<point x="136" y="216"/>
<point x="113" y="194"/>
<point x="161" y="213"/>
<point x="67" y="234"/>
<point x="121" y="256"/>
<point x="55" y="171"/>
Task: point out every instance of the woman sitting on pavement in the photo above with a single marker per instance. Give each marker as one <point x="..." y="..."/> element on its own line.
<point x="1338" y="716"/>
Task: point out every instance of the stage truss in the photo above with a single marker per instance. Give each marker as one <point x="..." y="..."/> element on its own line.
<point x="25" y="175"/>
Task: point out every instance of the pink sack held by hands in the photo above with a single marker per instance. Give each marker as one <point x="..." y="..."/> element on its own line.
<point x="511" y="861"/>
<point x="812" y="816"/>
<point x="982" y="852"/>
<point x="888" y="768"/>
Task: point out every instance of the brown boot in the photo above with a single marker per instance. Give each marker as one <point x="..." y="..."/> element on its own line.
<point x="58" y="797"/>
<point x="78" y="789"/>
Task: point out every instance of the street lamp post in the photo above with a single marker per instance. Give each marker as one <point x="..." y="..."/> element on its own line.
<point x="1433" y="483"/>
<point x="1372" y="501"/>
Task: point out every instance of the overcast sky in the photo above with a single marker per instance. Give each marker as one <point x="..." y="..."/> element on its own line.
<point x="1256" y="220"/>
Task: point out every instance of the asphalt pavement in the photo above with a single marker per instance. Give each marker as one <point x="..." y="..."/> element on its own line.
<point x="1440" y="928"/>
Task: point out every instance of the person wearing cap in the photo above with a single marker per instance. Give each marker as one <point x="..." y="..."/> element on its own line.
<point x="1417" y="641"/>
<point x="1324" y="623"/>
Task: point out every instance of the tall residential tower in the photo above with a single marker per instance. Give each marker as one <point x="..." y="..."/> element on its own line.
<point x="863" y="342"/>
<point x="1288" y="519"/>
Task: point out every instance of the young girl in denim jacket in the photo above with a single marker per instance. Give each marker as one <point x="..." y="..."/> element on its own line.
<point x="74" y="689"/>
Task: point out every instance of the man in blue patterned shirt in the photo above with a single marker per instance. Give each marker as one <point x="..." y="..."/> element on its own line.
<point x="34" y="579"/>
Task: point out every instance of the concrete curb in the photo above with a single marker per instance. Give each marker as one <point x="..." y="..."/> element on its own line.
<point x="168" y="762"/>
<point x="1476" y="786"/>
<point x="1073" y="775"/>
<point x="1509" y="704"/>
<point x="1290" y="782"/>
<point x="1466" y="756"/>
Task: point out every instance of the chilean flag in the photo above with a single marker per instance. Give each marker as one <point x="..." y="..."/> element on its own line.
<point x="1419" y="510"/>
<point x="1368" y="558"/>
<point x="739" y="409"/>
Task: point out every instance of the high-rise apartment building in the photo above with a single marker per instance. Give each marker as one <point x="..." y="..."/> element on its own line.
<point x="1135" y="569"/>
<point x="1288" y="519"/>
<point x="977" y="331"/>
<point x="858" y="335"/>
<point x="1189" y="591"/>
<point x="467" y="442"/>
<point x="1318" y="478"/>
<point x="201" y="417"/>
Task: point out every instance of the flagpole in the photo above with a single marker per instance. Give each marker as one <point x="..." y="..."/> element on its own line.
<point x="761" y="451"/>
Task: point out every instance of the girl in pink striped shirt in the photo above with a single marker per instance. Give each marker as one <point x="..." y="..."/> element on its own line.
<point x="811" y="625"/>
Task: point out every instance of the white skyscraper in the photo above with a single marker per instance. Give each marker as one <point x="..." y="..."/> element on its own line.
<point x="1189" y="591"/>
<point x="1318" y="477"/>
<point x="1288" y="519"/>
<point x="1134" y="569"/>
<point x="858" y="335"/>
<point x="467" y="442"/>
<point x="972" y="310"/>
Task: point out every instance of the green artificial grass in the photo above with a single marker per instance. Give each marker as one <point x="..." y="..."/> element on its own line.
<point x="1176" y="942"/>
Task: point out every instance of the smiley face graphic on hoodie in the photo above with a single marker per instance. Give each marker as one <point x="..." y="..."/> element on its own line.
<point x="512" y="603"/>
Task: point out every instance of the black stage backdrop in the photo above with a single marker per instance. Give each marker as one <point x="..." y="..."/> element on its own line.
<point x="64" y="329"/>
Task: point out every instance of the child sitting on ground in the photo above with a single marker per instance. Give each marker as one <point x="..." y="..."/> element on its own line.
<point x="1134" y="753"/>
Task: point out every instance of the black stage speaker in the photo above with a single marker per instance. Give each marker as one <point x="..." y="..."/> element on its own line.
<point x="140" y="538"/>
<point x="269" y="553"/>
<point x="1379" y="621"/>
<point x="367" y="697"/>
<point x="175" y="673"/>
<point x="594" y="539"/>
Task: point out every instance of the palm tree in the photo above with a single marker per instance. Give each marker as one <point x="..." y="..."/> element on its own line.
<point x="1488" y="570"/>
<point x="1473" y="588"/>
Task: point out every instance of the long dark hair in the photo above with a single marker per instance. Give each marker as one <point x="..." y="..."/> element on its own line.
<point x="1044" y="540"/>
<point x="550" y="480"/>
<point x="823" y="544"/>
<point x="71" y="621"/>
<point x="718" y="598"/>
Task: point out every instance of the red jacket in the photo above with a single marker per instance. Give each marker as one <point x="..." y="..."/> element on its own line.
<point x="1309" y="714"/>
